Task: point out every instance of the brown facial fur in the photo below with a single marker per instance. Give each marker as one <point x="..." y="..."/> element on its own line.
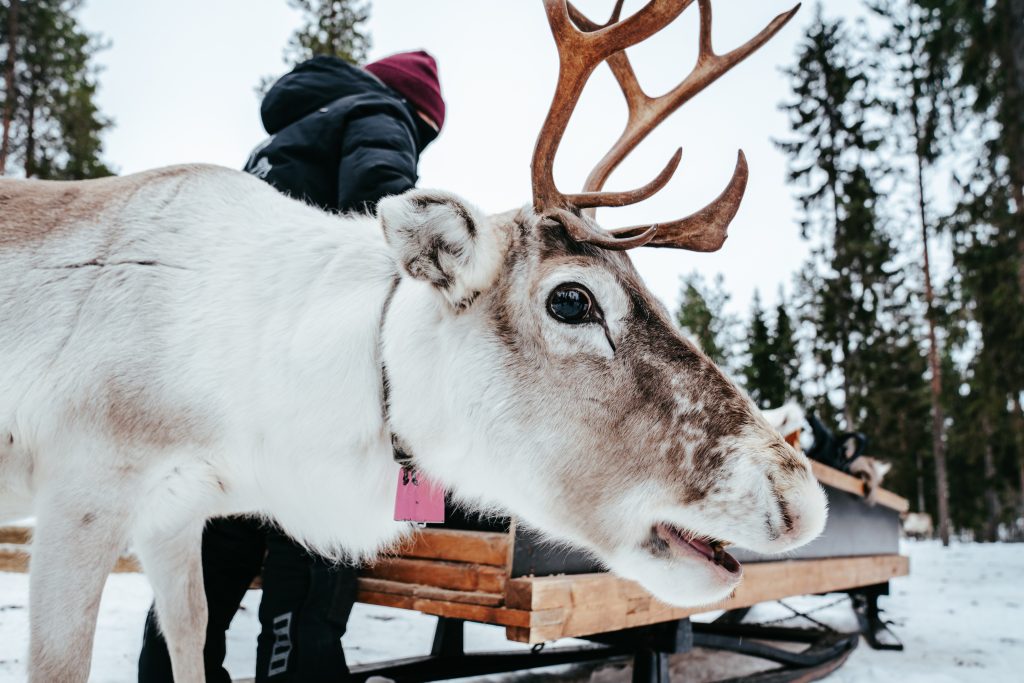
<point x="676" y="408"/>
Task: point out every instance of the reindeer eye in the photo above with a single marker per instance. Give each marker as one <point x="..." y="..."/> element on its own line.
<point x="570" y="303"/>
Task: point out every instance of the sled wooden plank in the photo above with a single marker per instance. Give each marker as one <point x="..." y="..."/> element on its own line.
<point x="845" y="482"/>
<point x="454" y="545"/>
<point x="18" y="535"/>
<point x="430" y="592"/>
<point x="13" y="560"/>
<point x="596" y="603"/>
<point x="891" y="500"/>
<point x="17" y="560"/>
<point x="457" y="576"/>
<point x="455" y="610"/>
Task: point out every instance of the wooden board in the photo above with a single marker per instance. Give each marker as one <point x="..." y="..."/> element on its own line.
<point x="596" y="603"/>
<point x="453" y="545"/>
<point x="19" y="535"/>
<point x="430" y="592"/>
<point x="501" y="616"/>
<point x="456" y="576"/>
<point x="17" y="559"/>
<point x="850" y="484"/>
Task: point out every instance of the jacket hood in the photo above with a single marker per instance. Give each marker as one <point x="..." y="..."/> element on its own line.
<point x="311" y="85"/>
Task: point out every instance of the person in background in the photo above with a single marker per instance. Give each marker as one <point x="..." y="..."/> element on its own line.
<point x="341" y="138"/>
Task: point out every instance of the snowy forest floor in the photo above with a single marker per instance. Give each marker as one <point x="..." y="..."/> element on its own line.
<point x="960" y="614"/>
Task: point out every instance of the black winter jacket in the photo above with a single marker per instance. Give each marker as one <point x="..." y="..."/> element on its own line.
<point x="339" y="138"/>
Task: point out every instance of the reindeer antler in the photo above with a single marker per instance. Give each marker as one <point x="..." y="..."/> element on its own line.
<point x="580" y="49"/>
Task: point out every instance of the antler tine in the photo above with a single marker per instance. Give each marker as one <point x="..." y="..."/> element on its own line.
<point x="644" y="113"/>
<point x="580" y="52"/>
<point x="704" y="230"/>
<point x="587" y="200"/>
<point x="581" y="230"/>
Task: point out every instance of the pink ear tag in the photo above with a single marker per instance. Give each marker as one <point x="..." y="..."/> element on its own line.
<point x="418" y="499"/>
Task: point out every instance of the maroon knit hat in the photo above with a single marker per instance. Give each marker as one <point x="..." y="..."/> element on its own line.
<point x="414" y="76"/>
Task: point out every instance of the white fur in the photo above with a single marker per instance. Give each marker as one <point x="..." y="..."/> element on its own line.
<point x="199" y="345"/>
<point x="785" y="419"/>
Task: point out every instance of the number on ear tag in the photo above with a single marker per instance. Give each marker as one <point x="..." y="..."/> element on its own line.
<point x="418" y="499"/>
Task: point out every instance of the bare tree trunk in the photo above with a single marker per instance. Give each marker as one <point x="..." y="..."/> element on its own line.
<point x="847" y="410"/>
<point x="30" y="129"/>
<point x="1013" y="60"/>
<point x="845" y="365"/>
<point x="993" y="509"/>
<point x="8" y="116"/>
<point x="1015" y="94"/>
<point x="938" y="441"/>
<point x="1018" y="419"/>
<point x="920" y="482"/>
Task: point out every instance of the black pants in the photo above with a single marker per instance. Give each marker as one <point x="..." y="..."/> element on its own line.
<point x="305" y="607"/>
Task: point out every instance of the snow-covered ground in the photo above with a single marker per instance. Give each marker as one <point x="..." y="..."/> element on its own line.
<point x="960" y="614"/>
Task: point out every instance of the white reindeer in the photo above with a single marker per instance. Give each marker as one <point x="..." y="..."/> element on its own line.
<point x="186" y="343"/>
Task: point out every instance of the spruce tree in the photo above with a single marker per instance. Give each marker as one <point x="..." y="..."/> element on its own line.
<point x="51" y="125"/>
<point x="787" y="354"/>
<point x="856" y="300"/>
<point x="765" y="377"/>
<point x="329" y="27"/>
<point x="981" y="44"/>
<point x="851" y="277"/>
<point x="917" y="97"/>
<point x="701" y="316"/>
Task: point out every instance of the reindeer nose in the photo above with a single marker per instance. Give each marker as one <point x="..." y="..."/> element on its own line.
<point x="803" y="510"/>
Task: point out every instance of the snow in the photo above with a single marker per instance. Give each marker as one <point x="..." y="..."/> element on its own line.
<point x="960" y="614"/>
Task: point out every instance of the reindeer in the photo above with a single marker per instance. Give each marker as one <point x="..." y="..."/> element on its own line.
<point x="186" y="343"/>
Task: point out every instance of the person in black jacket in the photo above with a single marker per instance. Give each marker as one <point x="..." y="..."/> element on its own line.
<point x="341" y="138"/>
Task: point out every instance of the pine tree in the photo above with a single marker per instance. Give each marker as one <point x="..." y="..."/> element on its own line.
<point x="10" y="61"/>
<point x="983" y="42"/>
<point x="764" y="374"/>
<point x="851" y="277"/>
<point x="982" y="45"/>
<point x="896" y="406"/>
<point x="757" y="369"/>
<point x="52" y="126"/>
<point x="786" y="352"/>
<point x="701" y="316"/>
<point x="330" y="27"/>
<point x="918" y="96"/>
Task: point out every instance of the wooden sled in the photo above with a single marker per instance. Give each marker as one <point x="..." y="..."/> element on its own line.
<point x="541" y="593"/>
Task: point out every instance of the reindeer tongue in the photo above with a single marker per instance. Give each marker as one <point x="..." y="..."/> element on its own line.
<point x="703" y="547"/>
<point x="715" y="552"/>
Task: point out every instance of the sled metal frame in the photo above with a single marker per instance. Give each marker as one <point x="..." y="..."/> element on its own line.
<point x="649" y="648"/>
<point x="875" y="630"/>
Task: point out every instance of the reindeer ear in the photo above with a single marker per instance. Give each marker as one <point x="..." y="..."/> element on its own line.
<point x="444" y="240"/>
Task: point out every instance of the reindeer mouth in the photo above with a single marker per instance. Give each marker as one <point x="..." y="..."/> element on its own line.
<point x="691" y="544"/>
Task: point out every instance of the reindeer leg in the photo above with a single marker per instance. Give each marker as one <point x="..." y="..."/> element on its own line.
<point x="173" y="565"/>
<point x="77" y="539"/>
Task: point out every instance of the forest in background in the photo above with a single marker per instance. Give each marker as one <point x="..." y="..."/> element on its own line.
<point x="906" y="150"/>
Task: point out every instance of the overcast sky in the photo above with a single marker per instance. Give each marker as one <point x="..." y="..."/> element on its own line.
<point x="178" y="80"/>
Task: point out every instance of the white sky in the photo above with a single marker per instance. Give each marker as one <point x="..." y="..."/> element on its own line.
<point x="180" y="74"/>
